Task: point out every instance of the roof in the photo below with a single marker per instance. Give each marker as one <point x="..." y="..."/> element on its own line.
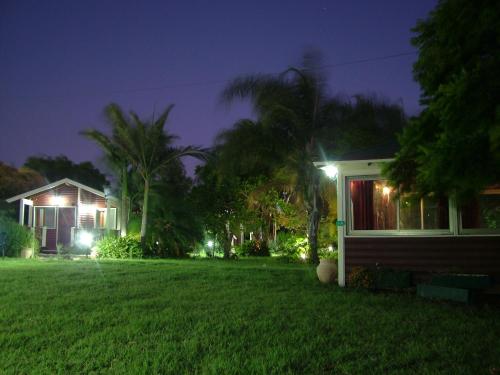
<point x="64" y="181"/>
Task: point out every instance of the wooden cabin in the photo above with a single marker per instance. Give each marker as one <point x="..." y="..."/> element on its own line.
<point x="61" y="211"/>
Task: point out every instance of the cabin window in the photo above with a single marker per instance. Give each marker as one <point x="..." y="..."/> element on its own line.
<point x="45" y="217"/>
<point x="483" y="213"/>
<point x="375" y="207"/>
<point x="100" y="219"/>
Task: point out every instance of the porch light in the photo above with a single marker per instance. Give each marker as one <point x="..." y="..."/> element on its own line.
<point x="386" y="190"/>
<point x="85" y="239"/>
<point x="57" y="200"/>
<point x="331" y="171"/>
<point x="210" y="244"/>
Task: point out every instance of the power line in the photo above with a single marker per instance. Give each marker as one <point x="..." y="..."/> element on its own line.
<point x="222" y="81"/>
<point x="216" y="82"/>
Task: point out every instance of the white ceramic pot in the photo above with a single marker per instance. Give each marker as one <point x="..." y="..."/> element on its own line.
<point x="327" y="270"/>
<point x="26" y="253"/>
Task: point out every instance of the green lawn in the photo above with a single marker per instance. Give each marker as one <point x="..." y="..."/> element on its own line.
<point x="216" y="317"/>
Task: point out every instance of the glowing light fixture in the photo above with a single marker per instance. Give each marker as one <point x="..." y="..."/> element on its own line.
<point x="331" y="171"/>
<point x="57" y="200"/>
<point x="85" y="239"/>
<point x="210" y="243"/>
<point x="303" y="256"/>
<point x="330" y="248"/>
<point x="386" y="190"/>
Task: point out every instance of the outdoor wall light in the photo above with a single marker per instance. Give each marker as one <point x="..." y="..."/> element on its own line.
<point x="331" y="171"/>
<point x="210" y="244"/>
<point x="57" y="200"/>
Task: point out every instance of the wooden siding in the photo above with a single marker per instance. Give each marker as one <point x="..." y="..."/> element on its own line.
<point x="69" y="193"/>
<point x="423" y="255"/>
<point x="86" y="197"/>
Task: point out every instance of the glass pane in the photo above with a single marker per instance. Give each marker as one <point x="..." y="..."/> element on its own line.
<point x="45" y="217"/>
<point x="435" y="213"/>
<point x="410" y="212"/>
<point x="484" y="212"/>
<point x="373" y="206"/>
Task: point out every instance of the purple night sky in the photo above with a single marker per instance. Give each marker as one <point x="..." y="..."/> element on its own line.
<point x="63" y="61"/>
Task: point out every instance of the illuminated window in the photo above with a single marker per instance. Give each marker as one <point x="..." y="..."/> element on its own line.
<point x="374" y="206"/>
<point x="100" y="219"/>
<point x="45" y="217"/>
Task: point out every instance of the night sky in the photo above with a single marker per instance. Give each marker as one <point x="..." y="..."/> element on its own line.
<point x="61" y="62"/>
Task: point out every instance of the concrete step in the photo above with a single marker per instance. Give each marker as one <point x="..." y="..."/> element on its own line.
<point x="444" y="293"/>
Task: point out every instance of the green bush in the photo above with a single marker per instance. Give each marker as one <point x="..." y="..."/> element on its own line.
<point x="252" y="248"/>
<point x="289" y="245"/>
<point x="119" y="247"/>
<point x="14" y="238"/>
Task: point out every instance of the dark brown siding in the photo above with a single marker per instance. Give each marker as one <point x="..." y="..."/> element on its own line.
<point x="70" y="194"/>
<point x="87" y="197"/>
<point x="467" y="254"/>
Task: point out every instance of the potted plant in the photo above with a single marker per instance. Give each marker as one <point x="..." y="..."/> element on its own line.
<point x="327" y="268"/>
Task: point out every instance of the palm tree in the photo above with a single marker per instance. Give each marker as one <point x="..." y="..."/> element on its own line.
<point x="300" y="120"/>
<point x="149" y="149"/>
<point x="296" y="109"/>
<point x="115" y="155"/>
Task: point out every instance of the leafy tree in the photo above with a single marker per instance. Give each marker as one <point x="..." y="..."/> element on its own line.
<point x="453" y="147"/>
<point x="220" y="202"/>
<point x="174" y="229"/>
<point x="150" y="149"/>
<point x="15" y="181"/>
<point x="298" y="123"/>
<point x="60" y="167"/>
<point x="115" y="155"/>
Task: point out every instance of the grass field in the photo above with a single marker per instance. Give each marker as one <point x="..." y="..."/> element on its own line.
<point x="216" y="317"/>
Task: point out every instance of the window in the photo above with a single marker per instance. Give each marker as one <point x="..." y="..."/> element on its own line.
<point x="45" y="217"/>
<point x="100" y="219"/>
<point x="483" y="213"/>
<point x="374" y="206"/>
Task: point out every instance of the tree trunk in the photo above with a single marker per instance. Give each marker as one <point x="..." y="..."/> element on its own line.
<point x="144" y="222"/>
<point x="124" y="202"/>
<point x="227" y="242"/>
<point x="314" y="216"/>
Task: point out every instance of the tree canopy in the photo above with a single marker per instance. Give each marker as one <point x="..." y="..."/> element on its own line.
<point x="59" y="167"/>
<point x="453" y="147"/>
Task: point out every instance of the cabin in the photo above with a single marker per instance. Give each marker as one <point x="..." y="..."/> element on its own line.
<point x="66" y="212"/>
<point x="379" y="228"/>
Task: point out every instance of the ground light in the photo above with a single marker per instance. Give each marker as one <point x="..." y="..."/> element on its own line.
<point x="210" y="243"/>
<point x="85" y="239"/>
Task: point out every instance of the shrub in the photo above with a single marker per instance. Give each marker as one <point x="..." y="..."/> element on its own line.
<point x="289" y="245"/>
<point x="361" y="277"/>
<point x="328" y="254"/>
<point x="252" y="248"/>
<point x="15" y="237"/>
<point x="119" y="247"/>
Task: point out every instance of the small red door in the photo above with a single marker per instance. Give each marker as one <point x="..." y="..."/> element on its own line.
<point x="65" y="221"/>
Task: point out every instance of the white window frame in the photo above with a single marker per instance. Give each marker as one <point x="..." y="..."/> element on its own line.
<point x="389" y="232"/>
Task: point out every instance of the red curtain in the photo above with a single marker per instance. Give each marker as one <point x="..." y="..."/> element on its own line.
<point x="362" y="204"/>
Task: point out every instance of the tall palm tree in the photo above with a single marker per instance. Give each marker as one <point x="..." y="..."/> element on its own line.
<point x="294" y="105"/>
<point x="115" y="155"/>
<point x="149" y="149"/>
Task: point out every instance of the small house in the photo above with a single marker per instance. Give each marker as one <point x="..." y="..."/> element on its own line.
<point x="379" y="228"/>
<point x="66" y="212"/>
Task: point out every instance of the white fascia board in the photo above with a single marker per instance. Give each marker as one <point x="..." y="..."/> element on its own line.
<point x="53" y="185"/>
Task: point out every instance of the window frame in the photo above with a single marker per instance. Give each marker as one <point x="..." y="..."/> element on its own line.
<point x="388" y="232"/>
<point x="474" y="231"/>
